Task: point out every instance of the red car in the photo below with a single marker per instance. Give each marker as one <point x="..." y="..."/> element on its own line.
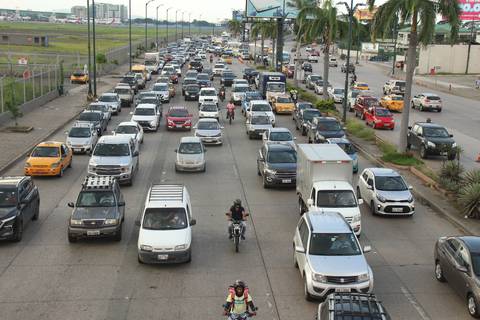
<point x="174" y="78"/>
<point x="363" y="103"/>
<point x="379" y="118"/>
<point x="178" y="118"/>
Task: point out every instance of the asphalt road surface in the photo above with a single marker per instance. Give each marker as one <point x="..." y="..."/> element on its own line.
<point x="45" y="277"/>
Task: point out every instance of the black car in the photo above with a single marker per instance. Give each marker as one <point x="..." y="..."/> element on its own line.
<point x="97" y="118"/>
<point x="431" y="139"/>
<point x="203" y="80"/>
<point x="227" y="79"/>
<point x="307" y="67"/>
<point x="99" y="210"/>
<point x="325" y="128"/>
<point x="19" y="203"/>
<point x="351" y="68"/>
<point x="191" y="92"/>
<point x="378" y="58"/>
<point x="186" y="82"/>
<point x="196" y="65"/>
<point x="277" y="165"/>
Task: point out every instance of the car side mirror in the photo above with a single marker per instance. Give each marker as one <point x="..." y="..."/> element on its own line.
<point x="410" y="187"/>
<point x="299" y="249"/>
<point x="131" y="112"/>
<point x="360" y="201"/>
<point x="193" y="222"/>
<point x="367" y="249"/>
<point x="310" y="202"/>
<point x="135" y="153"/>
<point x="121" y="204"/>
<point x="71" y="205"/>
<point x="370" y="187"/>
<point x="176" y="150"/>
<point x="137" y="223"/>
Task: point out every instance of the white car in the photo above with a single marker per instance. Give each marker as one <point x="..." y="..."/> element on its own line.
<point x="318" y="87"/>
<point x="218" y="69"/>
<point x="238" y="92"/>
<point x="239" y="81"/>
<point x="112" y="100"/>
<point x="279" y="135"/>
<point x="131" y="129"/>
<point x="312" y="58"/>
<point x="147" y="115"/>
<point x="82" y="137"/>
<point x="203" y="55"/>
<point x="209" y="131"/>
<point x="162" y="91"/>
<point x="427" y="101"/>
<point x="261" y="106"/>
<point x="209" y="110"/>
<point x="332" y="62"/>
<point x="207" y="95"/>
<point x="168" y="69"/>
<point x="165" y="234"/>
<point x="177" y="68"/>
<point x="352" y="98"/>
<point x="336" y="94"/>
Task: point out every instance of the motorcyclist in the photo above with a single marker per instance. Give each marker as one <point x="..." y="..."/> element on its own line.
<point x="231" y="109"/>
<point x="354" y="78"/>
<point x="237" y="213"/>
<point x="221" y="92"/>
<point x="293" y="95"/>
<point x="239" y="300"/>
<point x="211" y="58"/>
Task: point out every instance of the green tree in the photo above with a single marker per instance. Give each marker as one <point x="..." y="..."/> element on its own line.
<point x="301" y="26"/>
<point x="421" y="15"/>
<point x="14" y="110"/>
<point x="261" y="27"/>
<point x="234" y="26"/>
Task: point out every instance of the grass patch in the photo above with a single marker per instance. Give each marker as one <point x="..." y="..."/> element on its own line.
<point x="359" y="130"/>
<point x="391" y="155"/>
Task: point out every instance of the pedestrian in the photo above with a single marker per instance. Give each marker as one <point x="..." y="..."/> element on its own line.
<point x="477" y="83"/>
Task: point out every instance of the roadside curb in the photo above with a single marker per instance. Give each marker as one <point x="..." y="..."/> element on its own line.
<point x="456" y="220"/>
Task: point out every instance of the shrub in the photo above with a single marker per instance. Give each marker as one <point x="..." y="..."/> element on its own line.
<point x="471" y="177"/>
<point x="307" y="96"/>
<point x="469" y="200"/>
<point x="451" y="170"/>
<point x="101" y="58"/>
<point x="343" y="56"/>
<point x="325" y="105"/>
<point x="359" y="130"/>
<point x="14" y="111"/>
<point x="391" y="155"/>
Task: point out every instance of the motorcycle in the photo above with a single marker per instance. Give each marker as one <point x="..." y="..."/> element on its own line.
<point x="221" y="95"/>
<point x="211" y="59"/>
<point x="230" y="115"/>
<point x="242" y="316"/>
<point x="237" y="231"/>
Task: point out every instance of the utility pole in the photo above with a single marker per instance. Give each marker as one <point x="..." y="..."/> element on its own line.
<point x="279" y="58"/>
<point x="130" y="34"/>
<point x="89" y="51"/>
<point x="94" y="51"/>
<point x="189" y="24"/>
<point x="183" y="12"/>
<point x="176" y="25"/>
<point x="167" y="26"/>
<point x="156" y="25"/>
<point x="472" y="39"/>
<point x="146" y="23"/>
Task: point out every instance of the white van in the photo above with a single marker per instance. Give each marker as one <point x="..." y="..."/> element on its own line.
<point x="332" y="62"/>
<point x="166" y="225"/>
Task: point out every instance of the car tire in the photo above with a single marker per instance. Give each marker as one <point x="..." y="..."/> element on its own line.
<point x="423" y="152"/>
<point x="472" y="306"/>
<point x="204" y="167"/>
<point x="412" y="104"/>
<point x="439" y="110"/>
<point x="71" y="238"/>
<point x="304" y="133"/>
<point x="139" y="259"/>
<point x="118" y="234"/>
<point x="439" y="272"/>
<point x="372" y="208"/>
<point x="37" y="212"/>
<point x="307" y="294"/>
<point x="295" y="262"/>
<point x="60" y="174"/>
<point x="189" y="259"/>
<point x="301" y="206"/>
<point x="18" y="227"/>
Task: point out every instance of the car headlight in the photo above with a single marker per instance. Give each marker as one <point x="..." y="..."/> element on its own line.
<point x="92" y="168"/>
<point x="125" y="168"/>
<point x="75" y="222"/>
<point x="27" y="165"/>
<point x="270" y="171"/>
<point x="454" y="145"/>
<point x="55" y="165"/>
<point x="152" y="123"/>
<point x="431" y="144"/>
<point x="319" y="277"/>
<point x="357" y="218"/>
<point x="146" y="248"/>
<point x="320" y="137"/>
<point x="217" y="135"/>
<point x="410" y="200"/>
<point x="181" y="247"/>
<point x="110" y="222"/>
<point x="363" y="277"/>
<point x="381" y="198"/>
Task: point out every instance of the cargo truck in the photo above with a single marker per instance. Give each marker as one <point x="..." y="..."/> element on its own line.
<point x="324" y="182"/>
<point x="271" y="84"/>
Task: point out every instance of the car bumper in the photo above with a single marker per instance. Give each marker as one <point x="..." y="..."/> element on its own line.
<point x="432" y="107"/>
<point x="164" y="257"/>
<point x="190" y="166"/>
<point x="80" y="149"/>
<point x="211" y="140"/>
<point x="41" y="171"/>
<point x="321" y="290"/>
<point x="191" y="97"/>
<point x="273" y="180"/>
<point x="179" y="126"/>
<point x="395" y="208"/>
<point x="94" y="233"/>
<point x="383" y="125"/>
<point x="122" y="177"/>
<point x="284" y="110"/>
<point x="256" y="133"/>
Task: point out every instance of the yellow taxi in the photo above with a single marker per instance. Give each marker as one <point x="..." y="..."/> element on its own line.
<point x="140" y="68"/>
<point x="360" y="86"/>
<point x="283" y="104"/>
<point x="79" y="77"/>
<point x="227" y="59"/>
<point x="49" y="158"/>
<point x="392" y="102"/>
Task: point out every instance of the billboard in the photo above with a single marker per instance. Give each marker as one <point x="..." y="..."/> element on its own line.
<point x="469" y="10"/>
<point x="270" y="9"/>
<point x="237" y="15"/>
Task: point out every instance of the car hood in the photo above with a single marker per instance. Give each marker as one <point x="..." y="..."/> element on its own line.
<point x="395" y="195"/>
<point x="260" y="126"/>
<point x="348" y="212"/>
<point x="164" y="238"/>
<point x="208" y="133"/>
<point x="440" y="140"/>
<point x="143" y="118"/>
<point x="339" y="265"/>
<point x="7" y="211"/>
<point x="285" y="105"/>
<point x="119" y="161"/>
<point x="124" y="96"/>
<point x="131" y="135"/>
<point x="114" y="103"/>
<point x="331" y="134"/>
<point x="95" y="213"/>
<point x="79" y="141"/>
<point x="190" y="157"/>
<point x="42" y="160"/>
<point x="283" y="166"/>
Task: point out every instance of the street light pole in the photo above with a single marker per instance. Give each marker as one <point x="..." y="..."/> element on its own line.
<point x="156" y="25"/>
<point x="199" y="24"/>
<point x="94" y="51"/>
<point x="189" y="24"/>
<point x="130" y="34"/>
<point x="176" y="25"/>
<point x="395" y="27"/>
<point x="167" y="26"/>
<point x="146" y="23"/>
<point x="183" y="12"/>
<point x="89" y="51"/>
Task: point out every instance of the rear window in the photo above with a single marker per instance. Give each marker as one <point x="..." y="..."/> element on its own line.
<point x="433" y="98"/>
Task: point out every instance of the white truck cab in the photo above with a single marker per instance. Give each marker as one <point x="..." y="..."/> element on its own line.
<point x="324" y="182"/>
<point x="165" y="234"/>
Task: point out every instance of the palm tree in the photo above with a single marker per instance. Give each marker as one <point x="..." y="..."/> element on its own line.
<point x="235" y="26"/>
<point x="254" y="33"/>
<point x="261" y="27"/>
<point x="421" y="15"/>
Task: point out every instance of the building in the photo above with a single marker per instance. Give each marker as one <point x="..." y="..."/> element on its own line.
<point x="79" y="11"/>
<point x="103" y="11"/>
<point x="39" y="40"/>
<point x="365" y="15"/>
<point x="442" y="35"/>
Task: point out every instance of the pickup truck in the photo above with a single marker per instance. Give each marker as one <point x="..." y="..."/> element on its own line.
<point x="363" y="103"/>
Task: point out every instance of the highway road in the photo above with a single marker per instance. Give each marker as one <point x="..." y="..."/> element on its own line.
<point x="461" y="116"/>
<point x="45" y="277"/>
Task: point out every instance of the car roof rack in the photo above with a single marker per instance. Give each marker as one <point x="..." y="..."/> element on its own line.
<point x="166" y="192"/>
<point x="359" y="306"/>
<point x="98" y="182"/>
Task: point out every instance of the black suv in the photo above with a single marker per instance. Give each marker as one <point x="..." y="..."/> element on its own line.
<point x="350" y="69"/>
<point x="196" y="65"/>
<point x="431" y="139"/>
<point x="365" y="306"/>
<point x="191" y="92"/>
<point x="323" y="128"/>
<point x="99" y="211"/>
<point x="227" y="78"/>
<point x="277" y="164"/>
<point x="19" y="203"/>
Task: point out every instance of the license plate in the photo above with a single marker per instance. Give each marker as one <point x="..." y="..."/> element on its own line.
<point x="93" y="233"/>
<point x="286" y="180"/>
<point x="386" y="125"/>
<point x="162" y="257"/>
<point x="178" y="125"/>
<point x="343" y="289"/>
<point x="397" y="209"/>
<point x="77" y="150"/>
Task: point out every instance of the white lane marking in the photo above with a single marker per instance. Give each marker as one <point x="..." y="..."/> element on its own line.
<point x="235" y="172"/>
<point x="415" y="304"/>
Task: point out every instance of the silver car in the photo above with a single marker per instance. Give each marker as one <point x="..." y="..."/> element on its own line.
<point x="190" y="155"/>
<point x="209" y="131"/>
<point x="386" y="192"/>
<point x="162" y="91"/>
<point x="329" y="257"/>
<point x="113" y="101"/>
<point x="279" y="135"/>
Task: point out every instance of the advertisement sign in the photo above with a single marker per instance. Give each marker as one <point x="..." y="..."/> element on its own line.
<point x="270" y="9"/>
<point x="237" y="15"/>
<point x="470" y="10"/>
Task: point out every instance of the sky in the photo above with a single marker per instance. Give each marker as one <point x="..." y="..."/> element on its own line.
<point x="211" y="10"/>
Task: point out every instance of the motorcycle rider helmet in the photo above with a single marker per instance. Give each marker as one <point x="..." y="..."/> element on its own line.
<point x="237" y="202"/>
<point x="239" y="287"/>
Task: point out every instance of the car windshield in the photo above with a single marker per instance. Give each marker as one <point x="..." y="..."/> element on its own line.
<point x="261" y="107"/>
<point x="208" y="93"/>
<point x="78" y="74"/>
<point x="79" y="132"/>
<point x="228" y="75"/>
<point x="46" y="152"/>
<point x="192" y="88"/>
<point x="315" y="78"/>
<point x="261" y="120"/>
<point x="189" y="81"/>
<point x="207" y="125"/>
<point x="126" y="130"/>
<point x="107" y="98"/>
<point x="160" y="87"/>
<point x="97" y="107"/>
<point x="253" y="96"/>
<point x="284" y="100"/>
<point x="96" y="199"/>
<point x="334" y="244"/>
<point x="435" y="132"/>
<point x="178" y="113"/>
<point x="144" y="111"/>
<point x="336" y="199"/>
<point x="338" y="91"/>
<point x="122" y="91"/>
<point x="348" y="148"/>
<point x="8" y="197"/>
<point x="282" y="157"/>
<point x="190" y="148"/>
<point x="382" y="113"/>
<point x="397" y="98"/>
<point x="390" y="183"/>
<point x="164" y="219"/>
<point x="240" y="89"/>
<point x="433" y="98"/>
<point x="309" y="114"/>
<point x="203" y="76"/>
<point x="209" y="108"/>
<point x="149" y="100"/>
<point x="302" y="106"/>
<point x="112" y="150"/>
<point x="280" y="136"/>
<point x="276" y="87"/>
<point x="90" y="116"/>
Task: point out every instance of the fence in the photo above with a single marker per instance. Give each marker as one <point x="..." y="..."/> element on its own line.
<point x="22" y="83"/>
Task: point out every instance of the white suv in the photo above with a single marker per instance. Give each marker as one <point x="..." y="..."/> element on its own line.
<point x="165" y="234"/>
<point x="218" y="69"/>
<point x="261" y="106"/>
<point x="329" y="257"/>
<point x="207" y="95"/>
<point x="147" y="115"/>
